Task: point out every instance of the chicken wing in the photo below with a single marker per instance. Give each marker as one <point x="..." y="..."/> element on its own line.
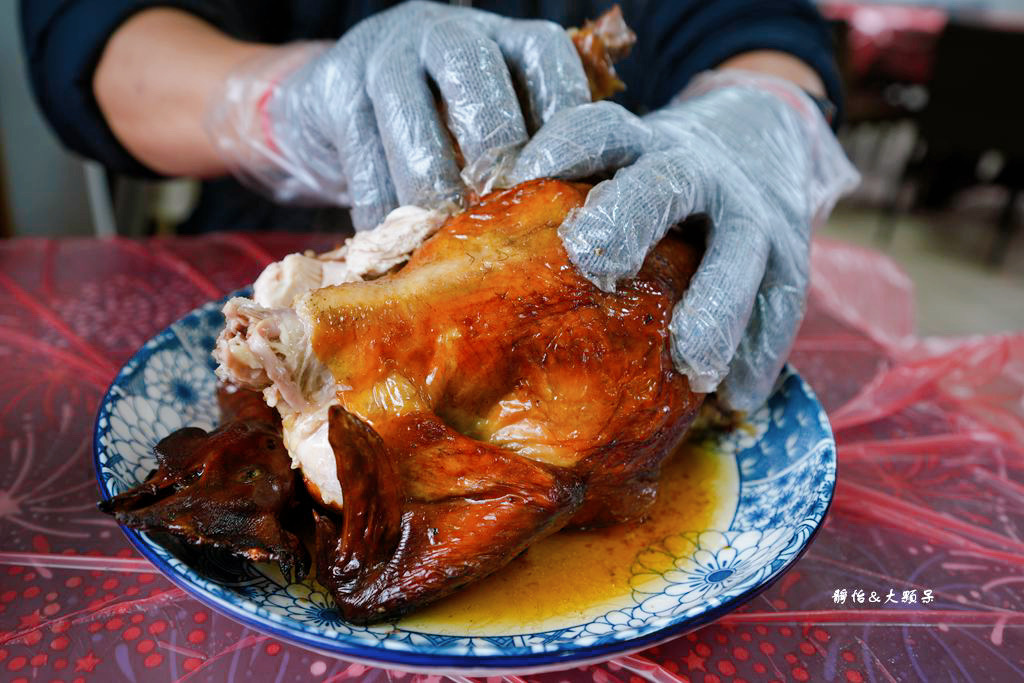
<point x="231" y="488"/>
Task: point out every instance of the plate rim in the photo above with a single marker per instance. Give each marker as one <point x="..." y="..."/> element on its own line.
<point x="418" y="661"/>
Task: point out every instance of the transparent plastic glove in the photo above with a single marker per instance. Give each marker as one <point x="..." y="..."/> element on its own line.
<point x="753" y="153"/>
<point x="355" y="122"/>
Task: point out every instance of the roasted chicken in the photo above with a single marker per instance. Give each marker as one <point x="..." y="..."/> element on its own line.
<point x="601" y="43"/>
<point x="474" y="401"/>
<point x="487" y="396"/>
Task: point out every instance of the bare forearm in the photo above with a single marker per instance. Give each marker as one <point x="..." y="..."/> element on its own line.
<point x="154" y="82"/>
<point x="778" y="64"/>
<point x="159" y="70"/>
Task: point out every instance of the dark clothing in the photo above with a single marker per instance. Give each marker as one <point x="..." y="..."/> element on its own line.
<point x="675" y="40"/>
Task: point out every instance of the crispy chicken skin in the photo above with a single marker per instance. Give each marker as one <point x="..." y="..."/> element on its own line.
<point x="489" y="396"/>
<point x="232" y="488"/>
<point x="447" y="512"/>
<point x="601" y="43"/>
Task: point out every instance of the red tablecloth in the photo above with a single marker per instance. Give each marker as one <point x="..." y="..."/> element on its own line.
<point x="930" y="494"/>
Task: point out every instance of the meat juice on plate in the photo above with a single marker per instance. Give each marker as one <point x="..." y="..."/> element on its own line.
<point x="575" y="576"/>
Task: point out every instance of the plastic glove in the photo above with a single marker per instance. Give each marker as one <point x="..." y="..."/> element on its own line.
<point x="752" y="152"/>
<point x="355" y="123"/>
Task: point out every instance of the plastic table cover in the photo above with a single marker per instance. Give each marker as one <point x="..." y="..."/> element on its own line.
<point x="918" y="573"/>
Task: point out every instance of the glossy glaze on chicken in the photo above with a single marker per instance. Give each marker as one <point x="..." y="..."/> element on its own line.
<point x="488" y="396"/>
<point x="480" y="398"/>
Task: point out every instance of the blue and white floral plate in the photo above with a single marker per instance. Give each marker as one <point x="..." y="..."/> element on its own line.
<point x="780" y="466"/>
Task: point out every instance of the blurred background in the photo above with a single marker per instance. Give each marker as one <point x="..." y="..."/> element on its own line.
<point x="934" y="121"/>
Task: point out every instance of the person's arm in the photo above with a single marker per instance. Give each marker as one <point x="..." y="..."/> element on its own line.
<point x="781" y="64"/>
<point x="678" y="40"/>
<point x="346" y="122"/>
<point x="64" y="41"/>
<point x="160" y="68"/>
<point x="154" y="82"/>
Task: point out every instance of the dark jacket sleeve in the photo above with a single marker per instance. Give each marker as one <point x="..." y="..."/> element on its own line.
<point x="65" y="38"/>
<point x="677" y="40"/>
<point x="63" y="41"/>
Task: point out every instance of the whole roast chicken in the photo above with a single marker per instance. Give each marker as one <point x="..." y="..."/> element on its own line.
<point x="444" y="415"/>
<point x="483" y="396"/>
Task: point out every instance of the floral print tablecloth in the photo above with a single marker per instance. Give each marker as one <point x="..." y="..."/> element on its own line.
<point x="918" y="573"/>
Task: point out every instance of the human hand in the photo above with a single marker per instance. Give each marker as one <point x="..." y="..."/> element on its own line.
<point x="355" y="123"/>
<point x="753" y="153"/>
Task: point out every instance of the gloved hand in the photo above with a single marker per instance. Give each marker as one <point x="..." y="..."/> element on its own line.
<point x="355" y="122"/>
<point x="752" y="152"/>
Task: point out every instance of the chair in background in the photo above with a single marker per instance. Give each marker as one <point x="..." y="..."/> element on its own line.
<point x="132" y="207"/>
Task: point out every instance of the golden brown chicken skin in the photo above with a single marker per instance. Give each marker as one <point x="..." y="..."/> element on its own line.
<point x="489" y="396"/>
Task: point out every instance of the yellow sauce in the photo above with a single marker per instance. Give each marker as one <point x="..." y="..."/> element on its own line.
<point x="576" y="575"/>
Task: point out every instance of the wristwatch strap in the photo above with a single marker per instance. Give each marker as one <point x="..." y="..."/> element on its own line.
<point x="827" y="107"/>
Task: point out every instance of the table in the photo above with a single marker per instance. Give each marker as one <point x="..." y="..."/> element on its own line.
<point x="930" y="500"/>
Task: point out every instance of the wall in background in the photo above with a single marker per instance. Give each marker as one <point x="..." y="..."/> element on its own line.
<point x="45" y="188"/>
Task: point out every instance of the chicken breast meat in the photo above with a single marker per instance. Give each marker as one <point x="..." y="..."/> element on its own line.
<point x="480" y="398"/>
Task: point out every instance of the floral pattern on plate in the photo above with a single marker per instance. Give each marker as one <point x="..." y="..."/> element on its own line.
<point x="785" y="456"/>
